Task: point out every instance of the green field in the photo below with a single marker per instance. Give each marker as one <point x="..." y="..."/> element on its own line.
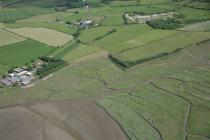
<point x="52" y="21"/>
<point x="199" y="5"/>
<point x="132" y="36"/>
<point x="146" y="9"/>
<point x="201" y="26"/>
<point x="11" y="15"/>
<point x="7" y="38"/>
<point x="91" y="35"/>
<point x="80" y="51"/>
<point x="194" y="14"/>
<point x="159" y="48"/>
<point x="20" y="53"/>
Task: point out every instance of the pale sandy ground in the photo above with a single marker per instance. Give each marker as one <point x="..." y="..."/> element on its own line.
<point x="67" y="120"/>
<point x="7" y="37"/>
<point x="46" y="36"/>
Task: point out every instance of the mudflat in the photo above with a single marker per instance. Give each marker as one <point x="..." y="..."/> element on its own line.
<point x="67" y="120"/>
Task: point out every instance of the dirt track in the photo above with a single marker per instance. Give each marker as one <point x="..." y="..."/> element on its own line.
<point x="69" y="120"/>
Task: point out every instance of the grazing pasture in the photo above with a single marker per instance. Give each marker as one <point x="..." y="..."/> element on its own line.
<point x="112" y="20"/>
<point x="199" y="5"/>
<point x="194" y="14"/>
<point x="46" y="36"/>
<point x="22" y="52"/>
<point x="13" y="14"/>
<point x="122" y="3"/>
<point x="7" y="38"/>
<point x="52" y="21"/>
<point x="161" y="47"/>
<point x="60" y="27"/>
<point x="91" y="35"/>
<point x="145" y="9"/>
<point x="132" y="36"/>
<point x="80" y="50"/>
<point x="201" y="26"/>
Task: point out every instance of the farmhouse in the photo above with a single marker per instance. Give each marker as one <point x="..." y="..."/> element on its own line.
<point x="20" y="76"/>
<point x="84" y="24"/>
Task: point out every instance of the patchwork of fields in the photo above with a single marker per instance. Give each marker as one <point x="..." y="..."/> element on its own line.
<point x="160" y="48"/>
<point x="20" y="53"/>
<point x="7" y="38"/>
<point x="46" y="36"/>
<point x="130" y="81"/>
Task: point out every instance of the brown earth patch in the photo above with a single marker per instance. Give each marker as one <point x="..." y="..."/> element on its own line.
<point x="67" y="120"/>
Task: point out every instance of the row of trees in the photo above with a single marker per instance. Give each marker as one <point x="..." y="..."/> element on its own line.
<point x="50" y="65"/>
<point x="168" y="24"/>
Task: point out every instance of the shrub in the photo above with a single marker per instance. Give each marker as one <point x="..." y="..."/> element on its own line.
<point x="50" y="65"/>
<point x="168" y="24"/>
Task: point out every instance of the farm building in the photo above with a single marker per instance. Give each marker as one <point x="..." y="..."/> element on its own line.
<point x="85" y="24"/>
<point x="20" y="76"/>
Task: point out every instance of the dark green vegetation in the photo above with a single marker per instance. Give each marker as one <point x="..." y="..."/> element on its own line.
<point x="156" y="84"/>
<point x="22" y="52"/>
<point x="168" y="24"/>
<point x="50" y="65"/>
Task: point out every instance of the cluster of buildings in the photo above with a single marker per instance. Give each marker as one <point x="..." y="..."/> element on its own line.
<point x="84" y="24"/>
<point x="145" y="18"/>
<point x="20" y="76"/>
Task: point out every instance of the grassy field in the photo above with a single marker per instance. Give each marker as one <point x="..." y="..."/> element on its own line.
<point x="11" y="15"/>
<point x="60" y="27"/>
<point x="7" y="38"/>
<point x="111" y="20"/>
<point x="161" y="47"/>
<point x="199" y="5"/>
<point x="134" y="2"/>
<point x="46" y="36"/>
<point x="52" y="21"/>
<point x="146" y="9"/>
<point x="75" y="50"/>
<point x="80" y="50"/>
<point x="201" y="26"/>
<point x="91" y="35"/>
<point x="194" y="14"/>
<point x="132" y="36"/>
<point x="22" y="52"/>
